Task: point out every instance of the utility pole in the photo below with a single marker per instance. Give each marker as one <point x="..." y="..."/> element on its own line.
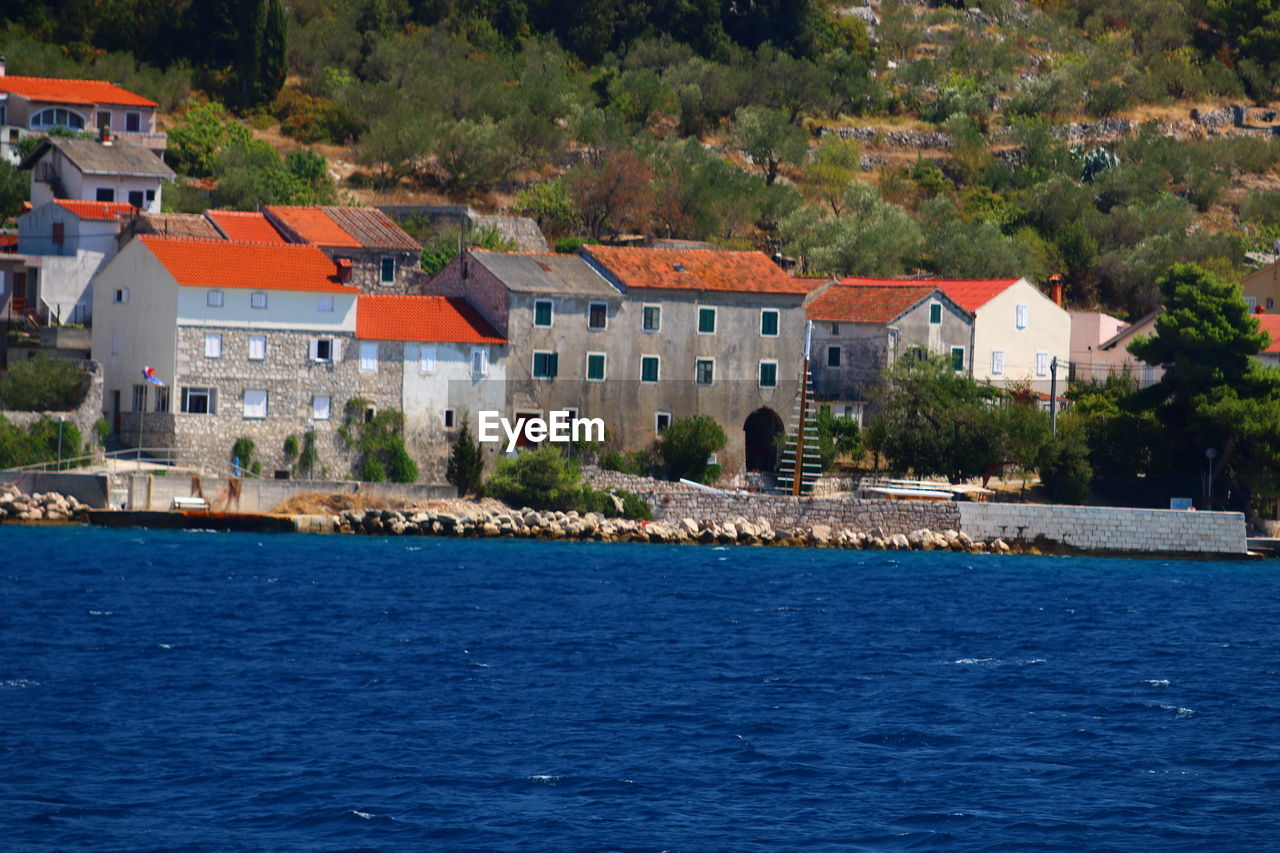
<point x="1053" y="396"/>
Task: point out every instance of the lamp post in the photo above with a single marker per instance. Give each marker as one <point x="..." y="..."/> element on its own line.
<point x="61" y="419"/>
<point x="1208" y="478"/>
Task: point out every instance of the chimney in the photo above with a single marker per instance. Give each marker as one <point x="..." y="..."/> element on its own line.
<point x="344" y="270"/>
<point x="1055" y="289"/>
<point x="1" y="66"/>
<point x="104" y="135"/>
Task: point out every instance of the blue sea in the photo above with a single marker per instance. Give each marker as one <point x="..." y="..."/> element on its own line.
<point x="188" y="691"/>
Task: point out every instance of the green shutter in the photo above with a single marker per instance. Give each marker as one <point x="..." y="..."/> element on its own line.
<point x="769" y="323"/>
<point x="935" y="313"/>
<point x="957" y="358"/>
<point x="542" y="313"/>
<point x="649" y="369"/>
<point x="553" y="364"/>
<point x="595" y="366"/>
<point x="768" y="375"/>
<point x="707" y="321"/>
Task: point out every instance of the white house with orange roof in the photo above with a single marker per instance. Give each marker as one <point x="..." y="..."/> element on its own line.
<point x="252" y="341"/>
<point x="35" y="105"/>
<point x="451" y="363"/>
<point x="1018" y="331"/>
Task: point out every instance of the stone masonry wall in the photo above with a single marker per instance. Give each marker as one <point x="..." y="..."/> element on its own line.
<point x="84" y="416"/>
<point x="1109" y="528"/>
<point x="784" y="511"/>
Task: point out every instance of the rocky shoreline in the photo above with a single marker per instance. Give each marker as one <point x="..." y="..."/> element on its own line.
<point x="533" y="524"/>
<point x="42" y="506"/>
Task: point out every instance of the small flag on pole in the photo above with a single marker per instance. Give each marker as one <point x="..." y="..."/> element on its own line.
<point x="149" y="373"/>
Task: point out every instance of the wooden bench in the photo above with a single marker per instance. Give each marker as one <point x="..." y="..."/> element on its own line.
<point x="190" y="503"/>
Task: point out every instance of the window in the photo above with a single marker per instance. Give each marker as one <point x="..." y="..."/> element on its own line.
<point x="388" y="269"/>
<point x="769" y="323"/>
<point x="213" y="345"/>
<point x="661" y="420"/>
<point x="768" y="374"/>
<point x="649" y="365"/>
<point x="213" y="299"/>
<point x="104" y="194"/>
<point x="957" y="359"/>
<point x="706" y="321"/>
<point x="935" y="313"/>
<point x="368" y="357"/>
<point x="597" y="315"/>
<point x="997" y="362"/>
<point x="132" y="122"/>
<point x="258" y="299"/>
<point x="255" y="403"/>
<point x="139" y="398"/>
<point x="322" y="349"/>
<point x="544" y="365"/>
<point x="115" y="343"/>
<point x="1271" y="303"/>
<point x="651" y="318"/>
<point x="104" y="119"/>
<point x="595" y="366"/>
<point x="321" y="405"/>
<point x="479" y="361"/>
<point x="199" y="401"/>
<point x="151" y="196"/>
<point x="448" y="418"/>
<point x="1251" y="301"/>
<point x="162" y="399"/>
<point x="257" y="347"/>
<point x="324" y="303"/>
<point x="57" y="117"/>
<point x="427" y="360"/>
<point x="542" y="313"/>
<point x="1020" y="315"/>
<point x="59" y="233"/>
<point x="135" y="198"/>
<point x="1042" y="364"/>
<point x="704" y="371"/>
<point x="835" y="328"/>
<point x="121" y="295"/>
<point x="833" y="356"/>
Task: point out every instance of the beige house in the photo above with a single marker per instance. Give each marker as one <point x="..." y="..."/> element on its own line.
<point x="1262" y="287"/>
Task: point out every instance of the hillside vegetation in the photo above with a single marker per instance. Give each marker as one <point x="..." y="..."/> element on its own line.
<point x="1020" y="138"/>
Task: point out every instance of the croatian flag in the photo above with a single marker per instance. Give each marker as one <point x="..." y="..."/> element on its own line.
<point x="149" y="373"/>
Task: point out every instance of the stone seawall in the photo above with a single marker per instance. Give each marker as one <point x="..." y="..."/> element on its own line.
<point x="1097" y="528"/>
<point x="889" y="517"/>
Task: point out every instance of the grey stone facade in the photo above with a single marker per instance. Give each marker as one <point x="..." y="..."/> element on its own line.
<point x="290" y="377"/>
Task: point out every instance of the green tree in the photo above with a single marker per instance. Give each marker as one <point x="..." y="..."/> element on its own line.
<point x="466" y="461"/>
<point x="870" y="236"/>
<point x="550" y="204"/>
<point x="1213" y="394"/>
<point x="769" y="138"/>
<point x="205" y="130"/>
<point x="542" y="479"/>
<point x="686" y="446"/>
<point x="1063" y="463"/>
<point x="837" y="165"/>
<point x="15" y="188"/>
<point x="42" y="384"/>
<point x="934" y="422"/>
<point x="837" y="437"/>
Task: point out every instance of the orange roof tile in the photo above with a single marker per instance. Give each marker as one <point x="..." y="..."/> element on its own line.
<point x="96" y="209"/>
<point x="969" y="293"/>
<point x="245" y="226"/>
<point x="441" y="319"/>
<point x="314" y="225"/>
<point x="1270" y="323"/>
<point x="843" y="303"/>
<point x="85" y="92"/>
<point x="697" y="269"/>
<point x="220" y="263"/>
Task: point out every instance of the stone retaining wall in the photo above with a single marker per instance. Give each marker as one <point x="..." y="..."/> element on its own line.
<point x="889" y="517"/>
<point x="1096" y="528"/>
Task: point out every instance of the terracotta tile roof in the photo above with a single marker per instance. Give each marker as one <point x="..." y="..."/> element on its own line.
<point x="314" y="225"/>
<point x="220" y="263"/>
<point x="8" y="242"/>
<point x="373" y="228"/>
<point x="245" y="226"/>
<point x="1270" y="323"/>
<point x="694" y="269"/>
<point x="85" y="92"/>
<point x="177" y="225"/>
<point x="95" y="209"/>
<point x="843" y="303"/>
<point x="969" y="293"/>
<point x="442" y="319"/>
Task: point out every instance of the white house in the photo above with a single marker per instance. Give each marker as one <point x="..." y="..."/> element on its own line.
<point x="96" y="170"/>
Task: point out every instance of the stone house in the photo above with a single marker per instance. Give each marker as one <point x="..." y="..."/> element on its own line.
<point x="384" y="258"/>
<point x="61" y="245"/>
<point x="32" y="106"/>
<point x="860" y="330"/>
<point x="96" y="170"/>
<point x="253" y="341"/>
<point x="450" y="362"/>
<point x="1017" y="330"/>
<point x="641" y="337"/>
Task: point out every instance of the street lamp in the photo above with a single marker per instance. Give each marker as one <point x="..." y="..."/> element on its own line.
<point x="61" y="419"/>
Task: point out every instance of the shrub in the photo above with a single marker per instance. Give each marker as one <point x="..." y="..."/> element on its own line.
<point x="1064" y="466"/>
<point x="687" y="445"/>
<point x="611" y="460"/>
<point x="466" y="462"/>
<point x="42" y="384"/>
<point x="541" y="479"/>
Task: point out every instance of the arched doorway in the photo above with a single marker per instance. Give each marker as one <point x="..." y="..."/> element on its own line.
<point x="761" y="429"/>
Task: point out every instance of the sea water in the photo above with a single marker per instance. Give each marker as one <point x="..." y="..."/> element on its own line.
<point x="207" y="691"/>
